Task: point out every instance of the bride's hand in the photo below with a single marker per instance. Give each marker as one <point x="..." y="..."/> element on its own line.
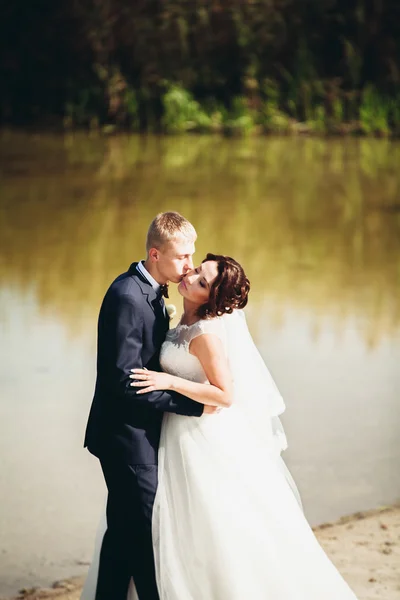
<point x="150" y="380"/>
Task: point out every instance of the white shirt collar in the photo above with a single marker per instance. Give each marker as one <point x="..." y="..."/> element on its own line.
<point x="142" y="269"/>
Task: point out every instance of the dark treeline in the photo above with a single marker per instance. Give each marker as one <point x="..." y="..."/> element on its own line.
<point x="219" y="64"/>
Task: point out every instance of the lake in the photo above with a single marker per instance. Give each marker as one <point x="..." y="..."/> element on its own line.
<point x="316" y="225"/>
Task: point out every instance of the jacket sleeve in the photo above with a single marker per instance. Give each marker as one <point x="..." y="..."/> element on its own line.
<point x="129" y="340"/>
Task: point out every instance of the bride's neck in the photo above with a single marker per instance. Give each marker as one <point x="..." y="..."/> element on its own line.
<point x="189" y="315"/>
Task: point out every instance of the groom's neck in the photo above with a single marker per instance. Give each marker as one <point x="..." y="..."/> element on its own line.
<point x="152" y="269"/>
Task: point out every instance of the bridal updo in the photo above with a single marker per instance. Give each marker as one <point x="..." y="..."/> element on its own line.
<point x="230" y="289"/>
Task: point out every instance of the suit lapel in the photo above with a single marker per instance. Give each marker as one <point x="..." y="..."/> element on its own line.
<point x="149" y="293"/>
<point x="152" y="300"/>
<point x="145" y="287"/>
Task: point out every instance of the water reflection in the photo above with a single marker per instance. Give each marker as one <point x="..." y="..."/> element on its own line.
<point x="316" y="223"/>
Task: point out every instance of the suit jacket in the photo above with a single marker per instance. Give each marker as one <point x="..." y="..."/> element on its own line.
<point x="131" y="328"/>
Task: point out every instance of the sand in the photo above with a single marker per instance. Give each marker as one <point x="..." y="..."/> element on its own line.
<point x="365" y="547"/>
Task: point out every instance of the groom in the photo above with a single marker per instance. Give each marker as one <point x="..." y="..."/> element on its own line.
<point x="123" y="429"/>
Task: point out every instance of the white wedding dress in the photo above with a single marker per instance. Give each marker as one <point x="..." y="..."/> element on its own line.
<point x="227" y="520"/>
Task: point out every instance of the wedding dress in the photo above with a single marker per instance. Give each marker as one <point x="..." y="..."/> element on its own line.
<point x="227" y="521"/>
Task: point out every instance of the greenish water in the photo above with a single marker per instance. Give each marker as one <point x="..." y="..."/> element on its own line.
<point x="315" y="223"/>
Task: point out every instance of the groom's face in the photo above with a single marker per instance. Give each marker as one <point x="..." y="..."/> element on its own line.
<point x="175" y="259"/>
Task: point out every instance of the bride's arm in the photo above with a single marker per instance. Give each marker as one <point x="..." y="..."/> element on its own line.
<point x="218" y="392"/>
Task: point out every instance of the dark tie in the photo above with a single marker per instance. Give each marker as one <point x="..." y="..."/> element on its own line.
<point x="164" y="290"/>
<point x="160" y="295"/>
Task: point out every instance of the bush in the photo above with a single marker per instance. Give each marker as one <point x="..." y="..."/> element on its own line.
<point x="183" y="113"/>
<point x="239" y="120"/>
<point x="374" y="112"/>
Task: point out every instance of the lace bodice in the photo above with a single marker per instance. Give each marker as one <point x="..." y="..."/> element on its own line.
<point x="175" y="357"/>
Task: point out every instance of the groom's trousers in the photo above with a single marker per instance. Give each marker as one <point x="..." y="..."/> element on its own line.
<point x="127" y="549"/>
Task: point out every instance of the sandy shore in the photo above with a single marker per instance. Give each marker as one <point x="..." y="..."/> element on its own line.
<point x="365" y="547"/>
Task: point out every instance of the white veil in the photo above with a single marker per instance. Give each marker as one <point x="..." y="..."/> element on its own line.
<point x="254" y="389"/>
<point x="255" y="392"/>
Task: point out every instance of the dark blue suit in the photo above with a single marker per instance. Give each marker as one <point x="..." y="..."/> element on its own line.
<point x="123" y="431"/>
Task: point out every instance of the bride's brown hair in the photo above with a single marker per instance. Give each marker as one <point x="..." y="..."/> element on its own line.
<point x="230" y="289"/>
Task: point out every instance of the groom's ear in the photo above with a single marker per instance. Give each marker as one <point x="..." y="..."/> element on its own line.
<point x="153" y="254"/>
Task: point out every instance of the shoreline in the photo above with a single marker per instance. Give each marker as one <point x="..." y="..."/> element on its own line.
<point x="364" y="546"/>
<point x="293" y="129"/>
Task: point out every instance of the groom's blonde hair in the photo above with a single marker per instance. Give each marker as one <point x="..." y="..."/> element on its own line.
<point x="166" y="227"/>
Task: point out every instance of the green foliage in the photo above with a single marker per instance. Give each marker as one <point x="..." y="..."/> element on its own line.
<point x="183" y="113"/>
<point x="318" y="123"/>
<point x="271" y="118"/>
<point x="338" y="110"/>
<point x="374" y="112"/>
<point x="394" y="107"/>
<point x="336" y="117"/>
<point x="239" y="120"/>
<point x="283" y="65"/>
<point x="131" y="104"/>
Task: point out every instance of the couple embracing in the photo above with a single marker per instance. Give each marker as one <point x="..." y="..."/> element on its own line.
<point x="185" y="423"/>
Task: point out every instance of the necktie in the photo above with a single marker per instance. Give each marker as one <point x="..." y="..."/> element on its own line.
<point x="164" y="290"/>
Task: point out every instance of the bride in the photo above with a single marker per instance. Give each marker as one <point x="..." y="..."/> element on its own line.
<point x="227" y="519"/>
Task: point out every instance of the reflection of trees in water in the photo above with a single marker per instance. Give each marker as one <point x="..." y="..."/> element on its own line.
<point x="314" y="222"/>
